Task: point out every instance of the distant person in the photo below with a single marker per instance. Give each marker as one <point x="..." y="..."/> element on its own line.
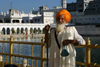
<point x="67" y="36"/>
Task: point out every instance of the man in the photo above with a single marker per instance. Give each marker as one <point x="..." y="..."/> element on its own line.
<point x="67" y="36"/>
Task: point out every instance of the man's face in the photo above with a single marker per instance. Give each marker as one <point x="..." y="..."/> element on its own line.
<point x="60" y="23"/>
<point x="60" y="19"/>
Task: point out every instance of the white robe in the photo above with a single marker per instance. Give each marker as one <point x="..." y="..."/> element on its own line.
<point x="55" y="59"/>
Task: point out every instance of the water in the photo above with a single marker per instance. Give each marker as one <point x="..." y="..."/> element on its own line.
<point x="26" y="50"/>
<point x="94" y="52"/>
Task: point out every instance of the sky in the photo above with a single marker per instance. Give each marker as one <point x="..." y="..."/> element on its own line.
<point x="27" y="5"/>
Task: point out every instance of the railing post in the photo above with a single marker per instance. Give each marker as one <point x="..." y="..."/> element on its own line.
<point x="42" y="52"/>
<point x="1" y="58"/>
<point x="11" y="50"/>
<point x="25" y="63"/>
<point x="88" y="52"/>
<point x="32" y="55"/>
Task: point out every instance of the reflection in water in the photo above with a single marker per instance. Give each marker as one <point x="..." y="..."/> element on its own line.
<point x="94" y="52"/>
<point x="26" y="49"/>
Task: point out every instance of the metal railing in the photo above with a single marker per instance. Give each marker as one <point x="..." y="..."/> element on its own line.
<point x="11" y="55"/>
<point x="88" y="47"/>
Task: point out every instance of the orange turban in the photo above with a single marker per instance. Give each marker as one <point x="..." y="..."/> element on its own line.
<point x="66" y="14"/>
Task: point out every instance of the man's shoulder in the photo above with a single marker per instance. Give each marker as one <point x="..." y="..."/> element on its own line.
<point x="70" y="27"/>
<point x="52" y="30"/>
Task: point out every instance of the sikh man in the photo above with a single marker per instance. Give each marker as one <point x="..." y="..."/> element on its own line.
<point x="67" y="36"/>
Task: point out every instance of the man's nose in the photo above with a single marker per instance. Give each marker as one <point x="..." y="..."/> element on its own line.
<point x="60" y="20"/>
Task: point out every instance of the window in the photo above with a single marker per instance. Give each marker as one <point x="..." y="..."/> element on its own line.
<point x="93" y="5"/>
<point x="27" y="21"/>
<point x="17" y="21"/>
<point x="13" y="21"/>
<point x="7" y="21"/>
<point x="41" y="20"/>
<point x="81" y="10"/>
<point x="35" y="20"/>
<point x="1" y="21"/>
<point x="80" y="5"/>
<point x="38" y="20"/>
<point x="71" y="21"/>
<point x="31" y="21"/>
<point x="22" y="21"/>
<point x="97" y="5"/>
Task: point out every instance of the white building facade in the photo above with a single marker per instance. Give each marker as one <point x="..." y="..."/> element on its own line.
<point x="82" y="12"/>
<point x="22" y="22"/>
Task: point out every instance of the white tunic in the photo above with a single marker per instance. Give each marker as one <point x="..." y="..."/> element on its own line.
<point x="55" y="59"/>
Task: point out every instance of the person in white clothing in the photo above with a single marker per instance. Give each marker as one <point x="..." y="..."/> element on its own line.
<point x="67" y="36"/>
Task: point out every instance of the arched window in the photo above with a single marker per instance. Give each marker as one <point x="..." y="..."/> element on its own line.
<point x="31" y="30"/>
<point x="1" y="21"/>
<point x="31" y="21"/>
<point x="13" y="31"/>
<point x="8" y="30"/>
<point x="17" y="21"/>
<point x="18" y="30"/>
<point x="14" y="21"/>
<point x="26" y="29"/>
<point x="3" y="31"/>
<point x="22" y="31"/>
<point x="22" y="21"/>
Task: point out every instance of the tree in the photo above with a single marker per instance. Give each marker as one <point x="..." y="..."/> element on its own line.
<point x="39" y="31"/>
<point x="17" y="31"/>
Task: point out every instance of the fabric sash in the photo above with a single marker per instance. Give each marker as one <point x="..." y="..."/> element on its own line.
<point x="57" y="40"/>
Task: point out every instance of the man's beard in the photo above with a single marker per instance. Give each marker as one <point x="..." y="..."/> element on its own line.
<point x="60" y="27"/>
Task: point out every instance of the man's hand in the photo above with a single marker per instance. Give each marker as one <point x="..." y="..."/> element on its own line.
<point x="46" y="33"/>
<point x="47" y="27"/>
<point x="66" y="42"/>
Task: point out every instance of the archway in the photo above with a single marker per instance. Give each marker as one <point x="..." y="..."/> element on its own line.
<point x="3" y="31"/>
<point x="18" y="30"/>
<point x="39" y="31"/>
<point x="22" y="31"/>
<point x="8" y="31"/>
<point x="31" y="30"/>
<point x="43" y="30"/>
<point x="35" y="31"/>
<point x="13" y="31"/>
<point x="26" y="31"/>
